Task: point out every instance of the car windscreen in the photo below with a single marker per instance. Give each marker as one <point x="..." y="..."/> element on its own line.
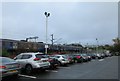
<point x="41" y="56"/>
<point x="84" y="54"/>
<point x="7" y="60"/>
<point x="64" y="57"/>
<point x="57" y="56"/>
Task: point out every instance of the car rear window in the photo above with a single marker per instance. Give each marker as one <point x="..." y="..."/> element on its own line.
<point x="57" y="56"/>
<point x="64" y="57"/>
<point x="41" y="56"/>
<point x="84" y="55"/>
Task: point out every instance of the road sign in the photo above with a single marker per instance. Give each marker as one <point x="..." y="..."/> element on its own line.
<point x="46" y="46"/>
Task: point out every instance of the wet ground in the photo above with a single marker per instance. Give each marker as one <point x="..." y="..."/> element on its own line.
<point x="106" y="68"/>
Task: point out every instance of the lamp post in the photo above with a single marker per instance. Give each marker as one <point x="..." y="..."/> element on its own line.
<point x="46" y="15"/>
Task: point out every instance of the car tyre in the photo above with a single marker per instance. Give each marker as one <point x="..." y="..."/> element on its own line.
<point x="60" y="63"/>
<point x="28" y="69"/>
<point x="76" y="61"/>
<point x="16" y="76"/>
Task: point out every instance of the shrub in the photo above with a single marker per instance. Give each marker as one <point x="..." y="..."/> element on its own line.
<point x="5" y="53"/>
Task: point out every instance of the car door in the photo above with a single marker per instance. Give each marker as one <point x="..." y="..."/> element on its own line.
<point x="19" y="60"/>
<point x="23" y="59"/>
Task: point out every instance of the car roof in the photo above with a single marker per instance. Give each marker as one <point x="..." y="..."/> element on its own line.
<point x="3" y="57"/>
<point x="32" y="53"/>
<point x="59" y="55"/>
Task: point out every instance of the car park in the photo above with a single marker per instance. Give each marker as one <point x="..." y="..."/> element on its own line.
<point x="54" y="61"/>
<point x="30" y="61"/>
<point x="9" y="67"/>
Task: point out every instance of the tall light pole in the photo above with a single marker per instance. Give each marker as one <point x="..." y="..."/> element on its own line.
<point x="46" y="15"/>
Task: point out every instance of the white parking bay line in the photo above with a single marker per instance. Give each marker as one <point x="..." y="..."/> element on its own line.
<point x="54" y="71"/>
<point x="92" y="60"/>
<point x="64" y="67"/>
<point x="27" y="76"/>
<point x="101" y="59"/>
<point x="47" y="70"/>
<point x="51" y="71"/>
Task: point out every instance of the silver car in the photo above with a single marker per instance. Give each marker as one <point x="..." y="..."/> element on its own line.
<point x="30" y="61"/>
<point x="8" y="67"/>
<point x="99" y="56"/>
<point x="62" y="59"/>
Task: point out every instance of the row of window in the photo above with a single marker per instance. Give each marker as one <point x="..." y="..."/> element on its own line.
<point x="29" y="56"/>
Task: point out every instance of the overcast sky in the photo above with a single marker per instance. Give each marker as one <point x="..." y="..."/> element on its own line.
<point x="72" y="22"/>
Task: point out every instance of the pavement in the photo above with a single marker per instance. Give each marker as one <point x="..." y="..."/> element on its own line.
<point x="106" y="68"/>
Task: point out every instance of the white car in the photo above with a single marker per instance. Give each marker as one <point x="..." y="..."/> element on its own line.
<point x="30" y="61"/>
<point x="99" y="56"/>
<point x="62" y="59"/>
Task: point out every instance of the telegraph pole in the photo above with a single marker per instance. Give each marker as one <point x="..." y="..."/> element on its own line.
<point x="52" y="40"/>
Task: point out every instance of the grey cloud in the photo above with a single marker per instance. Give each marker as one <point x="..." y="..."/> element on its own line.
<point x="73" y="22"/>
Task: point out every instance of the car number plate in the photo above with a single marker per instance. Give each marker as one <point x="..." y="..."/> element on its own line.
<point x="44" y="60"/>
<point x="13" y="71"/>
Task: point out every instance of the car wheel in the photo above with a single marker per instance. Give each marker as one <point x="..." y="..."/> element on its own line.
<point x="28" y="69"/>
<point x="60" y="63"/>
<point x="66" y="64"/>
<point x="16" y="76"/>
<point x="52" y="67"/>
<point x="76" y="61"/>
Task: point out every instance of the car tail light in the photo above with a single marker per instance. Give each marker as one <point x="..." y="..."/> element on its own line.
<point x="36" y="59"/>
<point x="78" y="57"/>
<point x="63" y="59"/>
<point x="89" y="56"/>
<point x="2" y="67"/>
<point x="69" y="59"/>
<point x="50" y="60"/>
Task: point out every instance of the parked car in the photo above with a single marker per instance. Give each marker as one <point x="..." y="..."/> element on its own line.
<point x="85" y="57"/>
<point x="8" y="67"/>
<point x="30" y="61"/>
<point x="109" y="54"/>
<point x="102" y="55"/>
<point x="89" y="57"/>
<point x="70" y="58"/>
<point x="99" y="56"/>
<point x="78" y="58"/>
<point x="93" y="56"/>
<point x="54" y="63"/>
<point x="62" y="59"/>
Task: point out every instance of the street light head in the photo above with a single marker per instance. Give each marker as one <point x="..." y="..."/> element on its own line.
<point x="46" y="13"/>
